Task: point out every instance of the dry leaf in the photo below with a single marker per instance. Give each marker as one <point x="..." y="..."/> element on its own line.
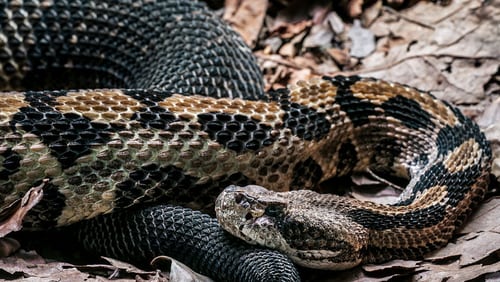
<point x="454" y="273"/>
<point x="470" y="251"/>
<point x="180" y="272"/>
<point x="490" y="122"/>
<point x="451" y="51"/>
<point x="407" y="265"/>
<point x="288" y="30"/>
<point x="485" y="218"/>
<point x="8" y="246"/>
<point x="355" y="8"/>
<point x="29" y="264"/>
<point x="118" y="269"/>
<point x="13" y="214"/>
<point x="362" y="39"/>
<point x="246" y="17"/>
<point x="319" y="36"/>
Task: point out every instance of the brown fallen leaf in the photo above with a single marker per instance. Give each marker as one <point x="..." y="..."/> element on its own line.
<point x="13" y="214"/>
<point x="246" y="17"/>
<point x="180" y="272"/>
<point x="119" y="269"/>
<point x="355" y="8"/>
<point x="287" y="30"/>
<point x="480" y="246"/>
<point x="485" y="218"/>
<point x="29" y="264"/>
<point x="454" y="273"/>
<point x="406" y="265"/>
<point x="489" y="120"/>
<point x="451" y="51"/>
<point x="8" y="246"/>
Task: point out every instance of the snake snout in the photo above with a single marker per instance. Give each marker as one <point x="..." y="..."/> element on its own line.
<point x="232" y="188"/>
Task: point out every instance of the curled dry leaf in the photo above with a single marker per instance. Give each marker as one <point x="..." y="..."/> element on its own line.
<point x="118" y="270"/>
<point x="180" y="272"/>
<point x="13" y="214"/>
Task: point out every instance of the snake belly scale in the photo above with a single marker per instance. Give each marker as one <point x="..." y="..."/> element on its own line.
<point x="178" y="113"/>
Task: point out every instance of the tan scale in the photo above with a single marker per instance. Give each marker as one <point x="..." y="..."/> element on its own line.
<point x="266" y="113"/>
<point x="10" y="103"/>
<point x="316" y="94"/>
<point x="107" y="106"/>
<point x="460" y="158"/>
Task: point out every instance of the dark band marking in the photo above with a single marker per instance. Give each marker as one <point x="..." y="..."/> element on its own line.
<point x="44" y="214"/>
<point x="458" y="184"/>
<point x="304" y="122"/>
<point x="315" y="235"/>
<point x="451" y="137"/>
<point x="306" y="174"/>
<point x="416" y="219"/>
<point x="148" y="97"/>
<point x="356" y="109"/>
<point x="152" y="183"/>
<point x="342" y="81"/>
<point x="409" y="112"/>
<point x="401" y="253"/>
<point x="10" y="164"/>
<point x="169" y="184"/>
<point x="68" y="136"/>
<point x="458" y="114"/>
<point x="386" y="151"/>
<point x="347" y="158"/>
<point x="154" y="117"/>
<point x="421" y="160"/>
<point x="43" y="101"/>
<point x="237" y="132"/>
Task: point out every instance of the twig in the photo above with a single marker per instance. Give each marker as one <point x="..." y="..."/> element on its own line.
<point x="406" y="18"/>
<point x="284" y="63"/>
<point x="385" y="181"/>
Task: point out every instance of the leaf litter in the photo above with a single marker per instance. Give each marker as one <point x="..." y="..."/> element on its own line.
<point x="449" y="48"/>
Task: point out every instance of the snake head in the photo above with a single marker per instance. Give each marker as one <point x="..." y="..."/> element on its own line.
<point x="293" y="223"/>
<point x="252" y="213"/>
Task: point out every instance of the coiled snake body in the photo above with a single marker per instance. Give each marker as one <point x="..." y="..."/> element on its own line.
<point x="178" y="114"/>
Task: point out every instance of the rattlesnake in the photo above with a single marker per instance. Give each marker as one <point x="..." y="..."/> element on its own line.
<point x="177" y="112"/>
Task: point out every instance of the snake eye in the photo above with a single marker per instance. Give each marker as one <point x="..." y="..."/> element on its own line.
<point x="273" y="210"/>
<point x="238" y="198"/>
